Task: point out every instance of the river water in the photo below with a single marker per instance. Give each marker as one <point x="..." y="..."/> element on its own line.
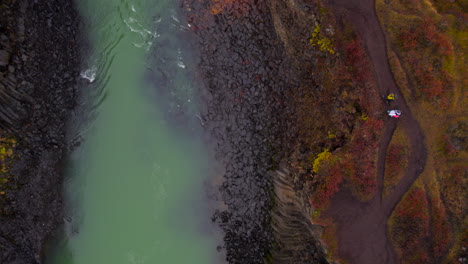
<point x="134" y="186"/>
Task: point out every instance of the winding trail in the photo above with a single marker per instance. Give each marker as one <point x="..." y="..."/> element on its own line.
<point x="362" y="226"/>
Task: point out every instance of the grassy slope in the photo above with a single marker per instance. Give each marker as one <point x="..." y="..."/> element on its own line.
<point x="433" y="36"/>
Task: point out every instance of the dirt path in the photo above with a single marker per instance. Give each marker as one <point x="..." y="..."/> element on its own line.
<point x="362" y="226"/>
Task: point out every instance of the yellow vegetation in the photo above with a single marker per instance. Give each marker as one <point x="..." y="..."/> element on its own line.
<point x="7" y="146"/>
<point x="324" y="156"/>
<point x="322" y="43"/>
<point x="364" y="117"/>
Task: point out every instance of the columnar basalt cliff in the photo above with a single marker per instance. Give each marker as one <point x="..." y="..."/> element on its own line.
<point x="39" y="64"/>
<point x="297" y="239"/>
<point x="249" y="80"/>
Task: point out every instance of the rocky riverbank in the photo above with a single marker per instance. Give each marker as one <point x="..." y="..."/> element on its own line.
<point x="39" y="65"/>
<point x="250" y="112"/>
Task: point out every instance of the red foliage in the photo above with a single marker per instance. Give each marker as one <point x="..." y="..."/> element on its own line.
<point x="413" y="37"/>
<point x="445" y="47"/>
<point x="440" y="230"/>
<point x="432" y="86"/>
<point x="363" y="152"/>
<point x="439" y="40"/>
<point x="409" y="39"/>
<point x="421" y="45"/>
<point x="411" y="227"/>
<point x="323" y="194"/>
<point x="414" y="205"/>
<point x="356" y="60"/>
<point x="360" y="72"/>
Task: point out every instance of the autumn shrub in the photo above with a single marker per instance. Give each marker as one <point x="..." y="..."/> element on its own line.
<point x="453" y="190"/>
<point x="436" y="38"/>
<point x="425" y="75"/>
<point x="460" y="252"/>
<point x="323" y="157"/>
<point x="356" y="61"/>
<point x="363" y="146"/>
<point x="425" y="34"/>
<point x="363" y="150"/>
<point x="457" y="8"/>
<point x="360" y="69"/>
<point x="321" y="42"/>
<point x="334" y="175"/>
<point x="408" y="38"/>
<point x="441" y="233"/>
<point x="410" y="227"/>
<point x="425" y="47"/>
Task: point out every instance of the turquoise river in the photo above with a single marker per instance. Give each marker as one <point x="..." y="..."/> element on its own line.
<point x="135" y="184"/>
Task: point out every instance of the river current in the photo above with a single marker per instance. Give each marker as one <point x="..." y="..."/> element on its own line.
<point x="134" y="186"/>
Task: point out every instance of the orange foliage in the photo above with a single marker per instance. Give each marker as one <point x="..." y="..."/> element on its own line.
<point x="239" y="7"/>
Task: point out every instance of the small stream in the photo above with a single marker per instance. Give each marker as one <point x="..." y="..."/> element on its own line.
<point x="135" y="184"/>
